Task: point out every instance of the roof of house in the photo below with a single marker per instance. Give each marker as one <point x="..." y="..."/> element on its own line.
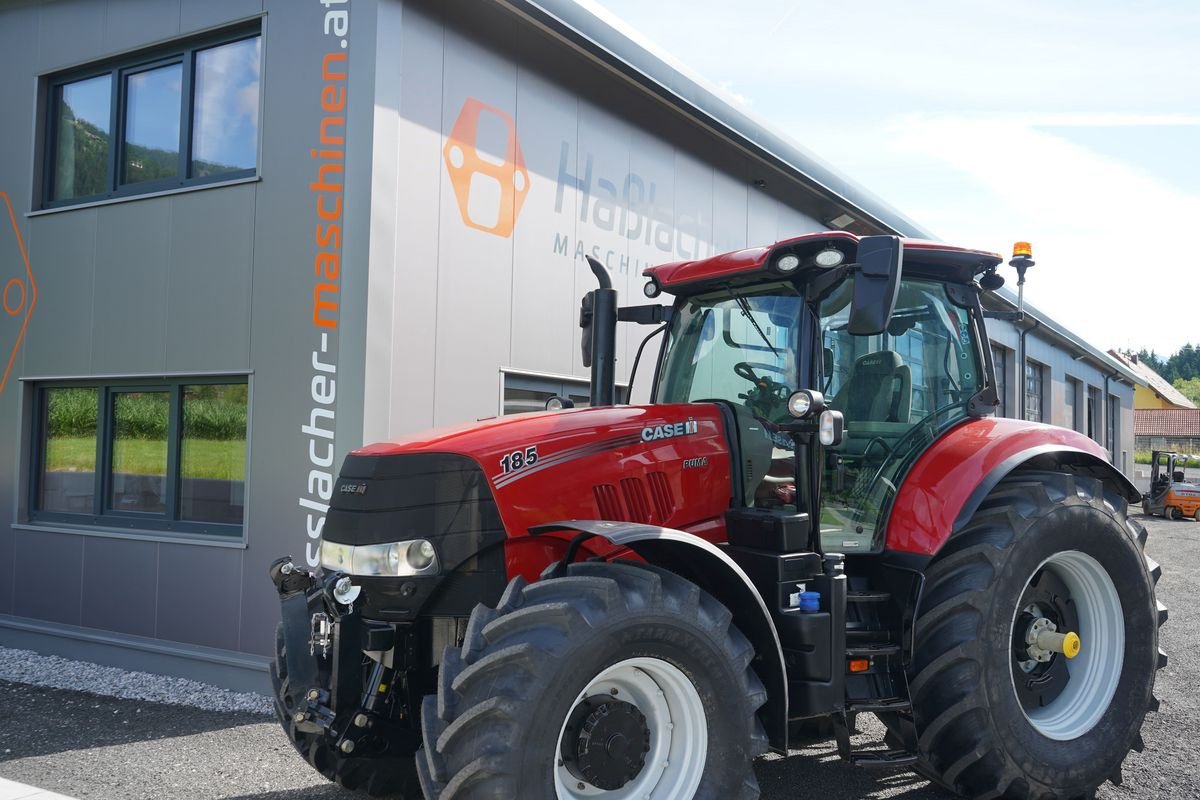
<point x="1160" y="385"/>
<point x="1179" y="423"/>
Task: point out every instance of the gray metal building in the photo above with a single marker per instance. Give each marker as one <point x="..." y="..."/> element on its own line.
<point x="241" y="237"/>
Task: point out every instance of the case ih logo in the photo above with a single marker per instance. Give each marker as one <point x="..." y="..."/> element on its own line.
<point x="489" y="190"/>
<point x="19" y="293"/>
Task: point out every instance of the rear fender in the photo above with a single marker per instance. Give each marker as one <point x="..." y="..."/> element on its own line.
<point x="707" y="566"/>
<point x="946" y="485"/>
<point x="1051" y="458"/>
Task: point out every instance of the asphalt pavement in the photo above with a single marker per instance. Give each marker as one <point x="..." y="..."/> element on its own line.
<point x="86" y="746"/>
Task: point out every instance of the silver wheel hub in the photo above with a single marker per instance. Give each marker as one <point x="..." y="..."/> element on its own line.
<point x="655" y="697"/>
<point x="1092" y="676"/>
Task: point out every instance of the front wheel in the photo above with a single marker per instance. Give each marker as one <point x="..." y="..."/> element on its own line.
<point x="618" y="681"/>
<point x="1037" y="643"/>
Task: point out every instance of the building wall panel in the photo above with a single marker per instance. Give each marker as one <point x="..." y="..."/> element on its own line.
<point x="474" y="266"/>
<point x="543" y="324"/>
<point x="47" y="576"/>
<point x="199" y="14"/>
<point x="209" y="280"/>
<point x="120" y="585"/>
<point x="69" y="32"/>
<point x="129" y="310"/>
<point x="60" y="335"/>
<point x="199" y="595"/>
<point x="132" y="23"/>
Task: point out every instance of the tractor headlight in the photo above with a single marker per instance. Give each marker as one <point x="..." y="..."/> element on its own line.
<point x="416" y="557"/>
<point x="803" y="403"/>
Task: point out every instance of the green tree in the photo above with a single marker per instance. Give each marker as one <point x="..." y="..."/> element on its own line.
<point x="1190" y="388"/>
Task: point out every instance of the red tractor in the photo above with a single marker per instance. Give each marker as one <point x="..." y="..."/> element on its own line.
<point x="817" y="515"/>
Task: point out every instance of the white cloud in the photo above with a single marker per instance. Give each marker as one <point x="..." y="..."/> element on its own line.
<point x="1108" y="237"/>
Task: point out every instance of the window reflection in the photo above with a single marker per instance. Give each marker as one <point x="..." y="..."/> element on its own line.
<point x="82" y="138"/>
<point x="225" y="115"/>
<point x="139" y="451"/>
<point x="213" y="456"/>
<point x="68" y="479"/>
<point x="152" y="124"/>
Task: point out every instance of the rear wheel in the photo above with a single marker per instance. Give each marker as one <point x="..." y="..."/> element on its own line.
<point x="618" y="681"/>
<point x="394" y="776"/>
<point x="1037" y="643"/>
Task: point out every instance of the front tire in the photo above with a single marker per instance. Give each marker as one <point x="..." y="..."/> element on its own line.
<point x="997" y="714"/>
<point x="614" y="682"/>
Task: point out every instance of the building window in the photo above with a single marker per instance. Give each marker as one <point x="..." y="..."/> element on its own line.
<point x="1072" y="407"/>
<point x="165" y="456"/>
<point x="159" y="120"/>
<point x="1000" y="362"/>
<point x="1093" y="413"/>
<point x="1033" y="391"/>
<point x="522" y="392"/>
<point x="1114" y="427"/>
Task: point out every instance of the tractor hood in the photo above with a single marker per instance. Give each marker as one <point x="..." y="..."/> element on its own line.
<point x="662" y="464"/>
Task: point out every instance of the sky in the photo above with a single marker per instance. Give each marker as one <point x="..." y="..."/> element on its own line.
<point x="1073" y="125"/>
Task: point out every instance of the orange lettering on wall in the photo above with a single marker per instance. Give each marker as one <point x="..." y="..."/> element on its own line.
<point x="329" y="235"/>
<point x="320" y="304"/>
<point x="333" y="99"/>
<point x="327" y="265"/>
<point x="327" y="73"/>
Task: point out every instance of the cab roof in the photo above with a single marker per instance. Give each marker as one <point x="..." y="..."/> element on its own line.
<point x="941" y="260"/>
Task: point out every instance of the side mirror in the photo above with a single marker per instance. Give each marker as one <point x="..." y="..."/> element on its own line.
<point x="876" y="284"/>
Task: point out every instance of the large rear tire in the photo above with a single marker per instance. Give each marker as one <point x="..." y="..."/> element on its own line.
<point x="614" y="682"/>
<point x="997" y="714"/>
<point x="393" y="776"/>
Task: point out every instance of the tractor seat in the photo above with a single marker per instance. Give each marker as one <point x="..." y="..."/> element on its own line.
<point x="878" y="389"/>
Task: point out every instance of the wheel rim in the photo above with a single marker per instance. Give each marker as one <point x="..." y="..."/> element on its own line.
<point x="1088" y="681"/>
<point x="674" y="716"/>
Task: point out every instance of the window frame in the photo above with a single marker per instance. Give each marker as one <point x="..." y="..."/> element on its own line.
<point x="1039" y="371"/>
<point x="103" y="515"/>
<point x="119" y="69"/>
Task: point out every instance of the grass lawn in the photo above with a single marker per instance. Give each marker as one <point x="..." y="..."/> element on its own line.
<point x="201" y="458"/>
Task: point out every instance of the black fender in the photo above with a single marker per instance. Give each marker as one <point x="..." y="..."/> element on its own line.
<point x="709" y="567"/>
<point x="1052" y="458"/>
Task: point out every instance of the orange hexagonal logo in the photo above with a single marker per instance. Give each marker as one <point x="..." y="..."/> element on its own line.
<point x="19" y="294"/>
<point x="489" y="187"/>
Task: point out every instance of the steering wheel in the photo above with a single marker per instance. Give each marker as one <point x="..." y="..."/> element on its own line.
<point x="745" y="369"/>
<point x="768" y="398"/>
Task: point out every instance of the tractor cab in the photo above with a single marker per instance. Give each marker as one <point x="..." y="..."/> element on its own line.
<point x="1171" y="495"/>
<point x="886" y="337"/>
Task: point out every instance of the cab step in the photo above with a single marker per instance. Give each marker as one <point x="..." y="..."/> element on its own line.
<point x="880" y="705"/>
<point x="868" y="597"/>
<point x="872" y="650"/>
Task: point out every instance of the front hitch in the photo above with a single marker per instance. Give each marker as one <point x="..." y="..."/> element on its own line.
<point x="322" y="638"/>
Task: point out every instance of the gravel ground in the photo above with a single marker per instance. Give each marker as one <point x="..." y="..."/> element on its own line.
<point x="113" y="748"/>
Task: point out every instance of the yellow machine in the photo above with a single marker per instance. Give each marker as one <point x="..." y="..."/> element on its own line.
<point x="1170" y="494"/>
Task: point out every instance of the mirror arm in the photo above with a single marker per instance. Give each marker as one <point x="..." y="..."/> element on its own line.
<point x="645" y="315"/>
